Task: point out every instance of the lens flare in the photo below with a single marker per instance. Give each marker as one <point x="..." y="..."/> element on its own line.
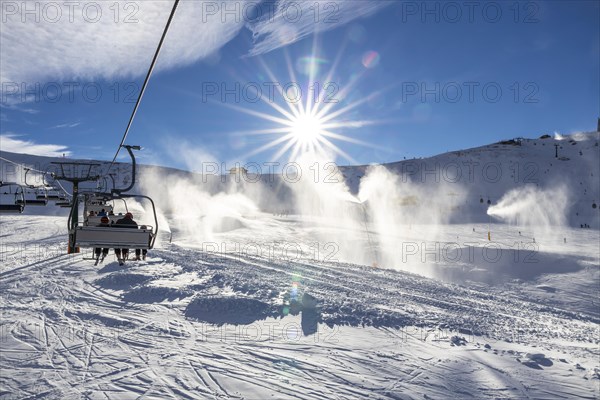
<point x="370" y="59"/>
<point x="309" y="65"/>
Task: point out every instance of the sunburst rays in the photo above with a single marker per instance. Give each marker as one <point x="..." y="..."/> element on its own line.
<point x="313" y="123"/>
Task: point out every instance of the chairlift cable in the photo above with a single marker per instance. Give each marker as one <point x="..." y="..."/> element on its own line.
<point x="65" y="191"/>
<point x="139" y="99"/>
<point x="86" y="236"/>
<point x="25" y="166"/>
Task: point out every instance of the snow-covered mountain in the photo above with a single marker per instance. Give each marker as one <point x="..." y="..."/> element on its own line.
<point x="478" y="176"/>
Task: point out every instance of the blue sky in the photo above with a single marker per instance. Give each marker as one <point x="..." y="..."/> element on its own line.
<point x="412" y="85"/>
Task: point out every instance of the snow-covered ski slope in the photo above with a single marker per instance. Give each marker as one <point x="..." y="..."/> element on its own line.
<point x="383" y="285"/>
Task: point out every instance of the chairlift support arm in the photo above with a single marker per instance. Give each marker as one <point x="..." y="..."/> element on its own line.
<point x="133" y="170"/>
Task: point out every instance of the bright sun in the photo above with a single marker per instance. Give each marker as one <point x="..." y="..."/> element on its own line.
<point x="308" y="124"/>
<point x="306" y="129"/>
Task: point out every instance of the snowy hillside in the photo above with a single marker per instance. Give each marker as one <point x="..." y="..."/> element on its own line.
<point x="486" y="173"/>
<point x="464" y="275"/>
<point x="489" y="172"/>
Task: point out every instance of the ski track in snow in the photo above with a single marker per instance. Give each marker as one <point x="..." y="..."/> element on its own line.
<point x="163" y="329"/>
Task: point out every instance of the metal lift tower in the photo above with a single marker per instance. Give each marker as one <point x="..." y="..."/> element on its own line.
<point x="75" y="178"/>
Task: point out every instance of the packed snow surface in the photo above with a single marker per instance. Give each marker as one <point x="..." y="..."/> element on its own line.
<point x="188" y="323"/>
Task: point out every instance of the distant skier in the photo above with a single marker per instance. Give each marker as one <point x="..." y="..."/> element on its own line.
<point x="104" y="222"/>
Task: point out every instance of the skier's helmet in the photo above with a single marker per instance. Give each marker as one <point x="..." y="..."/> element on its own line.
<point x="104" y="220"/>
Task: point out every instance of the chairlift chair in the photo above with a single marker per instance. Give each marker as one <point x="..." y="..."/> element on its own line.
<point x="37" y="195"/>
<point x="89" y="235"/>
<point x="97" y="203"/>
<point x="53" y="194"/>
<point x="11" y="208"/>
<point x="41" y="194"/>
<point x="33" y="198"/>
<point x="63" y="201"/>
<point x="17" y="205"/>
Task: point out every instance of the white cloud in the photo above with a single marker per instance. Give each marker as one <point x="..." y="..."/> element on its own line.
<point x="76" y="47"/>
<point x="15" y="103"/>
<point x="67" y="125"/>
<point x="10" y="143"/>
<point x="66" y="41"/>
<point x="294" y="20"/>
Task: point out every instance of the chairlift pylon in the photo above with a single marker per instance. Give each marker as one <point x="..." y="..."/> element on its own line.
<point x="75" y="179"/>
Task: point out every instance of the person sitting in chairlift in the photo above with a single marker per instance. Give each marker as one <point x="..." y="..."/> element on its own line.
<point x="104" y="222"/>
<point x="128" y="222"/>
<point x="102" y="213"/>
<point x="125" y="222"/>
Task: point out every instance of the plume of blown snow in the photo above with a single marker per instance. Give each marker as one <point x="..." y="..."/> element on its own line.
<point x="327" y="208"/>
<point x="401" y="212"/>
<point x="197" y="207"/>
<point x="533" y="207"/>
<point x="558" y="136"/>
